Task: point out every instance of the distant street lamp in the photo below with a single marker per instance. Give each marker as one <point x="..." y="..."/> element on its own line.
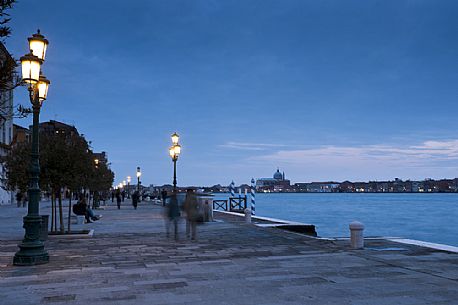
<point x="139" y="173"/>
<point x="128" y="186"/>
<point x="174" y="152"/>
<point x="31" y="250"/>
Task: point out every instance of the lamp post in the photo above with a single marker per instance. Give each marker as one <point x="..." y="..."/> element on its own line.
<point x="128" y="186"/>
<point x="139" y="173"/>
<point x="174" y="152"/>
<point x="32" y="250"/>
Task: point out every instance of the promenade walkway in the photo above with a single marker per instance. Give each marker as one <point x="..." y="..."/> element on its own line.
<point x="130" y="260"/>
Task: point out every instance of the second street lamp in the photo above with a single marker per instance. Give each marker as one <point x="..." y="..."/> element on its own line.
<point x="139" y="173"/>
<point x="128" y="186"/>
<point x="174" y="152"/>
<point x="31" y="250"/>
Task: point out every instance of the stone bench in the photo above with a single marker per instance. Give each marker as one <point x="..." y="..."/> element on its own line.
<point x="77" y="219"/>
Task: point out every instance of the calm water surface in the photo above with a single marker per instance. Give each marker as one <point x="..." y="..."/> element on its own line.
<point x="426" y="217"/>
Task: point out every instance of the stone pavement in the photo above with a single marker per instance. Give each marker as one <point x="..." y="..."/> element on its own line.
<point x="131" y="261"/>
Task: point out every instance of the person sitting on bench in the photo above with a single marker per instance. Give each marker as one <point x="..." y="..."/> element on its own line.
<point x="81" y="208"/>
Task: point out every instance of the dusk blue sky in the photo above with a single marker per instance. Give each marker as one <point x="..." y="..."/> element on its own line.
<point x="324" y="90"/>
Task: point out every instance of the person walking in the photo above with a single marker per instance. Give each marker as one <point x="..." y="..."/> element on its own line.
<point x="173" y="215"/>
<point x="118" y="198"/>
<point x="123" y="194"/>
<point x="135" y="199"/>
<point x="19" y="199"/>
<point x="112" y="196"/>
<point x="190" y="206"/>
<point x="164" y="196"/>
<point x="25" y="199"/>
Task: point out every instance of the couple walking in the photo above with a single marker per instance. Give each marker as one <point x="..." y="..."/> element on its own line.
<point x="190" y="207"/>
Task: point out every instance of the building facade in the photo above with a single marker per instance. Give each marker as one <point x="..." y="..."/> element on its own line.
<point x="6" y="126"/>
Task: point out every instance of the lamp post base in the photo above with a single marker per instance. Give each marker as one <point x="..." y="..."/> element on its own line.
<point x="28" y="259"/>
<point x="31" y="250"/>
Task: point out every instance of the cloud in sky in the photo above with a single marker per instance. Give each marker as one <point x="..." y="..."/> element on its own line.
<point x="436" y="159"/>
<point x="416" y="155"/>
<point x="250" y="146"/>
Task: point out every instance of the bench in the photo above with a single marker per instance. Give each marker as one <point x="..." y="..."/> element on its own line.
<point x="77" y="219"/>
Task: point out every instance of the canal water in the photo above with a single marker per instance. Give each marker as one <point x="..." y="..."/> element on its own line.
<point x="425" y="217"/>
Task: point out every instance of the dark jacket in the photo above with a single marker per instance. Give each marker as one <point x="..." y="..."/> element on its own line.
<point x="191" y="207"/>
<point x="173" y="208"/>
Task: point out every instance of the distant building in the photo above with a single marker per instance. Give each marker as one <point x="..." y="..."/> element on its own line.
<point x="6" y="126"/>
<point x="101" y="157"/>
<point x="21" y="135"/>
<point x="276" y="184"/>
<point x="323" y="187"/>
<point x="53" y="126"/>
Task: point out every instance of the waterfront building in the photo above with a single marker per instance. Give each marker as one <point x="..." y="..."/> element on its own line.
<point x="346" y="187"/>
<point x="322" y="187"/>
<point x="6" y="124"/>
<point x="278" y="183"/>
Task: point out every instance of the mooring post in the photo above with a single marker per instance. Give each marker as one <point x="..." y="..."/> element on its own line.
<point x="356" y="235"/>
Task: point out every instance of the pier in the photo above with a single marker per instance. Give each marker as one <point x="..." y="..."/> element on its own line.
<point x="129" y="260"/>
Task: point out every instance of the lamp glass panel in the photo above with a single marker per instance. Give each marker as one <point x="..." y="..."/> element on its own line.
<point x="43" y="93"/>
<point x="172" y="152"/>
<point x="175" y="138"/>
<point x="38" y="48"/>
<point x="30" y="71"/>
<point x="177" y="149"/>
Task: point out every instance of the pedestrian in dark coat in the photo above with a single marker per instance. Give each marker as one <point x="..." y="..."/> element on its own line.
<point x="164" y="197"/>
<point x="191" y="208"/>
<point x="135" y="199"/>
<point x="173" y="215"/>
<point x="118" y="198"/>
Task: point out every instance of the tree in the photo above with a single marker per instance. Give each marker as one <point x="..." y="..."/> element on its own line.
<point x="8" y="76"/>
<point x="5" y="5"/>
<point x="66" y="162"/>
<point x="17" y="163"/>
<point x="8" y="64"/>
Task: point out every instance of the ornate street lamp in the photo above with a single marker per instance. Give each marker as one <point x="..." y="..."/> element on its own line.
<point x="31" y="250"/>
<point x="174" y="152"/>
<point x="128" y="186"/>
<point x="38" y="44"/>
<point x="139" y="173"/>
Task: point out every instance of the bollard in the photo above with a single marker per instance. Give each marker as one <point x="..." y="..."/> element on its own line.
<point x="247" y="215"/>
<point x="356" y="235"/>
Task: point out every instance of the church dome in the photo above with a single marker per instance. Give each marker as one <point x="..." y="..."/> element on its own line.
<point x="278" y="175"/>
